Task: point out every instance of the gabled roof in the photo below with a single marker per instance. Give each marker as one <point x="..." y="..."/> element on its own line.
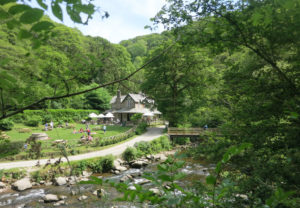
<point x="136" y="97"/>
<point x="113" y="100"/>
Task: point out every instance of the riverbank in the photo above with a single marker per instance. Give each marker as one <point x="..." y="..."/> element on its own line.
<point x="91" y="195"/>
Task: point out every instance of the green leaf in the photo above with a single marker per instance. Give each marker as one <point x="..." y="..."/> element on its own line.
<point x="211" y="179"/>
<point x="31" y="16"/>
<point x="179" y="176"/>
<point x="2" y="2"/>
<point x="74" y="15"/>
<point x="42" y="4"/>
<point x="165" y="178"/>
<point x="88" y="9"/>
<point x="23" y="34"/>
<point x="16" y="9"/>
<point x="43" y="25"/>
<point x="57" y="11"/>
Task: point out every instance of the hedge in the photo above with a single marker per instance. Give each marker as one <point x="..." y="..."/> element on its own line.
<point x="55" y="115"/>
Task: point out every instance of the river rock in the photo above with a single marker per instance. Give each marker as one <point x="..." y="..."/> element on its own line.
<point x="62" y="197"/>
<point x="160" y="157"/>
<point x="83" y="197"/>
<point x="50" y="198"/>
<point x="139" y="163"/>
<point x="42" y="182"/>
<point x="60" y="181"/>
<point x="133" y="188"/>
<point x="59" y="203"/>
<point x="124" y="178"/>
<point x="86" y="174"/>
<point x="155" y="191"/>
<point x="143" y="181"/>
<point x="72" y="180"/>
<point x="118" y="165"/>
<point x="100" y="193"/>
<point x="22" y="184"/>
<point x="2" y="185"/>
<point x="48" y="183"/>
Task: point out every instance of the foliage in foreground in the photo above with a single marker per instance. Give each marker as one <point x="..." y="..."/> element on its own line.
<point x="219" y="191"/>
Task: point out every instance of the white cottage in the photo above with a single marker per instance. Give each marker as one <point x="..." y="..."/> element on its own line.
<point x="124" y="106"/>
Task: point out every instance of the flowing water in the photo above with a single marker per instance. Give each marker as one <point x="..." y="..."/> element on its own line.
<point x="194" y="170"/>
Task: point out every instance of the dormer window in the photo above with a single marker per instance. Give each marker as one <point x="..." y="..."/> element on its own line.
<point x="129" y="102"/>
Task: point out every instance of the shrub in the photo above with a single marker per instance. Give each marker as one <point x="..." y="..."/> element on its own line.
<point x="136" y="118"/>
<point x="143" y="147"/>
<point x="60" y="114"/>
<point x="8" y="148"/>
<point x="46" y="118"/>
<point x="129" y="154"/>
<point x="165" y="142"/>
<point x="181" y="140"/>
<point x="14" y="173"/>
<point x="36" y="176"/>
<point x="106" y="163"/>
<point x="141" y="128"/>
<point x="33" y="121"/>
<point x="156" y="146"/>
<point x="6" y="124"/>
<point x="98" y="165"/>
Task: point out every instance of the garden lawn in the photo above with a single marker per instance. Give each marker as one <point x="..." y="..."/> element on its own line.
<point x="60" y="134"/>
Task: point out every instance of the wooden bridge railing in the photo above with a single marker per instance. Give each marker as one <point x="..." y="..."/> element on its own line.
<point x="176" y="132"/>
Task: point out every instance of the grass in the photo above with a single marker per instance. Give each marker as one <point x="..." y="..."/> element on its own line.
<point x="58" y="134"/>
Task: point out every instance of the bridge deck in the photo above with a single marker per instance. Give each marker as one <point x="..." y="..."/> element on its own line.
<point x="175" y="132"/>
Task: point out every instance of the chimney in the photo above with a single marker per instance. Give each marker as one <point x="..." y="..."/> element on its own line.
<point x="118" y="100"/>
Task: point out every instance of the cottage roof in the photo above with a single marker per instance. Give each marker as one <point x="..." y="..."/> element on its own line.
<point x="114" y="98"/>
<point x="136" y="97"/>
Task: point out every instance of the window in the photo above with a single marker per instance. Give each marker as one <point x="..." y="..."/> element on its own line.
<point x="129" y="101"/>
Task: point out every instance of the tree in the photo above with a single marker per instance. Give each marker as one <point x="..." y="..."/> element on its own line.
<point x="256" y="43"/>
<point x="265" y="27"/>
<point x="98" y="99"/>
<point x="175" y="82"/>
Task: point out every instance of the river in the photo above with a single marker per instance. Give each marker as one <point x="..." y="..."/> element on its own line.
<point x="194" y="170"/>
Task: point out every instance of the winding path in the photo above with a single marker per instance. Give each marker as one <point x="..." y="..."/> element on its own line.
<point x="152" y="133"/>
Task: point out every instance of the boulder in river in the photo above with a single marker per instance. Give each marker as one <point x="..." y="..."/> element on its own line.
<point x="22" y="184"/>
<point x="83" y="197"/>
<point x="59" y="203"/>
<point x="2" y="185"/>
<point x="100" y="193"/>
<point x="139" y="163"/>
<point x="118" y="165"/>
<point x="155" y="191"/>
<point x="50" y="198"/>
<point x="60" y="181"/>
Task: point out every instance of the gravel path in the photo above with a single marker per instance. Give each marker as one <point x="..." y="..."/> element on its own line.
<point x="151" y="134"/>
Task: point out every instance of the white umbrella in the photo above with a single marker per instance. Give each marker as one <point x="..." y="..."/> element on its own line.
<point x="93" y="115"/>
<point x="101" y="116"/>
<point x="109" y="115"/>
<point x="148" y="114"/>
